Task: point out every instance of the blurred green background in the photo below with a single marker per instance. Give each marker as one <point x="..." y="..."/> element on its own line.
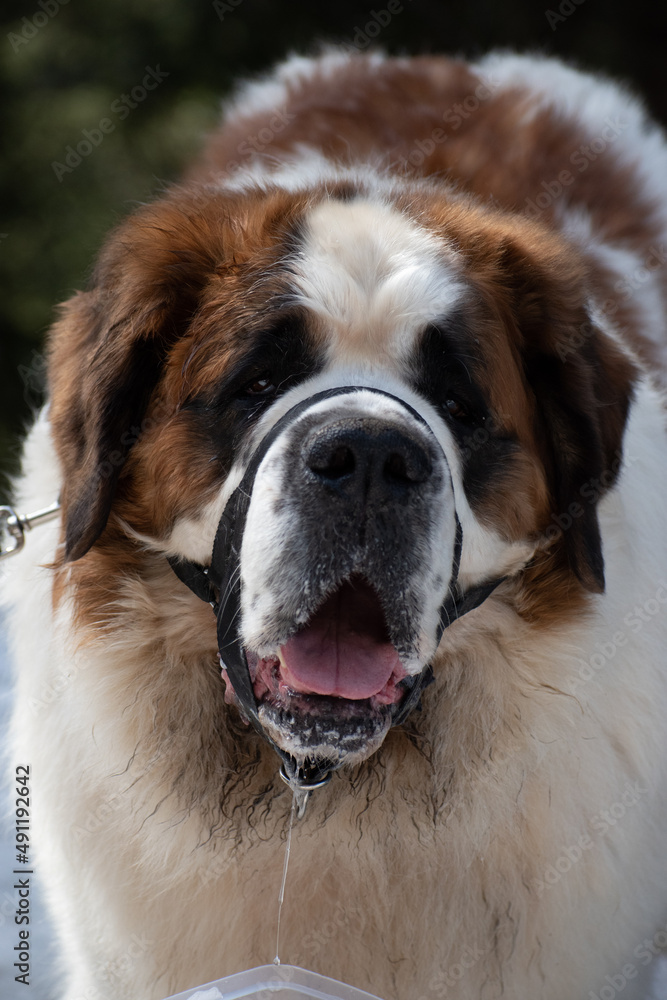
<point x="63" y="65"/>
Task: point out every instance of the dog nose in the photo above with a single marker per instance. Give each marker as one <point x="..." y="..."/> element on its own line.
<point x="367" y="459"/>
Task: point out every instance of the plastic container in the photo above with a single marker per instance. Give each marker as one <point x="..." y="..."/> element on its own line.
<point x="275" y="982"/>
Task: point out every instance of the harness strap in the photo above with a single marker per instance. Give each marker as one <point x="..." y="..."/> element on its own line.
<point x="220" y="586"/>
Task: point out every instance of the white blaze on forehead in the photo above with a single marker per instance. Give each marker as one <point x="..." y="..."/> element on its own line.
<point x="374" y="277"/>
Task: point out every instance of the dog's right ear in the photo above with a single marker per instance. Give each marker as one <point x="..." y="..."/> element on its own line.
<point x="102" y="373"/>
<point x="106" y="353"/>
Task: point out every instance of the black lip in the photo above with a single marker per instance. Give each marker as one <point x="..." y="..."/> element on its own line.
<point x="341" y="725"/>
<point x="320" y="706"/>
<point x="316" y="721"/>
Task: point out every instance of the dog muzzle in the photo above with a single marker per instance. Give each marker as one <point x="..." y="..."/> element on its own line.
<point x="220" y="585"/>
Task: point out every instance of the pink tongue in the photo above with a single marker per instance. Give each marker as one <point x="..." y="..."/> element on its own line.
<point x="344" y="651"/>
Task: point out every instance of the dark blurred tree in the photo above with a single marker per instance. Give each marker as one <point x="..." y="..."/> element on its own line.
<point x="64" y="65"/>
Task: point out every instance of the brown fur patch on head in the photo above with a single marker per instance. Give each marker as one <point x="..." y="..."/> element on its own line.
<point x="563" y="398"/>
<point x="436" y="117"/>
<point x="198" y="259"/>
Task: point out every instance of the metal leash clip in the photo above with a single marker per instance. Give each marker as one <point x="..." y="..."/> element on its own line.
<point x="302" y="786"/>
<point x="13" y="527"/>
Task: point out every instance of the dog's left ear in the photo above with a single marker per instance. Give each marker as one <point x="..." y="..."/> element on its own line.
<point x="583" y="387"/>
<point x="106" y="353"/>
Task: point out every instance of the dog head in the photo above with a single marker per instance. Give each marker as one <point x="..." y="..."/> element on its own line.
<point x="403" y="372"/>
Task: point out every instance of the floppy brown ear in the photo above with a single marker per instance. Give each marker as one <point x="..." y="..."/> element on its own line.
<point x="102" y="376"/>
<point x="583" y="386"/>
<point x="106" y="353"/>
<point x="584" y="400"/>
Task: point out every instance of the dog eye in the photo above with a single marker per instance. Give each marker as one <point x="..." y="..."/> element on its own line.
<point x="260" y="387"/>
<point x="456" y="410"/>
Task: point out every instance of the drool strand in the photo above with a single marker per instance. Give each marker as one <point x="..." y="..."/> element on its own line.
<point x="288" y="845"/>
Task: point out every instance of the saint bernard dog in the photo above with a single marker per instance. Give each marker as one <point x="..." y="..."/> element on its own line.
<point x="359" y="440"/>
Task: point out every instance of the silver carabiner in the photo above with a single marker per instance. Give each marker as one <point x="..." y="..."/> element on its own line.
<point x="302" y="787"/>
<point x="13" y="527"/>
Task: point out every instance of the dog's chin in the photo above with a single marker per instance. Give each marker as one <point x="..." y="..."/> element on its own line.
<point x="325" y="730"/>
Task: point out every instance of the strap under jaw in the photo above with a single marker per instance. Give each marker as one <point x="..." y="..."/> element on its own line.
<point x="220" y="586"/>
<point x="196" y="578"/>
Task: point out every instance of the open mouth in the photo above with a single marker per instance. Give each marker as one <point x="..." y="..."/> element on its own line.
<point x="330" y="689"/>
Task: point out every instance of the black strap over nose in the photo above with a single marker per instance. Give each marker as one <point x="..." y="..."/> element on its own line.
<point x="363" y="444"/>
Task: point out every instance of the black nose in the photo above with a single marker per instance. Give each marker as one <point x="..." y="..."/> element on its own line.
<point x="367" y="460"/>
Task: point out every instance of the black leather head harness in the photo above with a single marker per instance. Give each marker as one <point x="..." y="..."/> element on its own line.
<point x="220" y="586"/>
